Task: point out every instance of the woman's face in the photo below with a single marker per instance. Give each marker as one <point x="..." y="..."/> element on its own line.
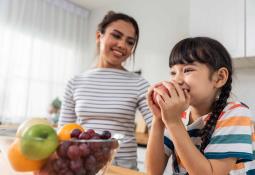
<point x="116" y="44"/>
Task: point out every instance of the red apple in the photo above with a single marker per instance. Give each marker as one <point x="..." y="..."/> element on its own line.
<point x="155" y="94"/>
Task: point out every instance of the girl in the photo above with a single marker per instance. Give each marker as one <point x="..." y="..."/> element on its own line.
<point x="107" y="96"/>
<point x="212" y="136"/>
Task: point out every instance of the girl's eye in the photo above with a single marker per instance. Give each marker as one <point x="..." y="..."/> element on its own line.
<point x="172" y="73"/>
<point x="188" y="70"/>
<point x="116" y="36"/>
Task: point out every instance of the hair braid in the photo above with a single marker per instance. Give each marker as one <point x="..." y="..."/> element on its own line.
<point x="219" y="105"/>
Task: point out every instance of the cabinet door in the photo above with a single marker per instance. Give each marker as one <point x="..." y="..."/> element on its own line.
<point x="222" y="20"/>
<point x="250" y="27"/>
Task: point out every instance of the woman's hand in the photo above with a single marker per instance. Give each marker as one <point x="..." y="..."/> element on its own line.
<point x="153" y="107"/>
<point x="172" y="104"/>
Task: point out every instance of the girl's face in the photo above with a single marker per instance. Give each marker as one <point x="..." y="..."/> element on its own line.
<point x="197" y="79"/>
<point x="116" y="44"/>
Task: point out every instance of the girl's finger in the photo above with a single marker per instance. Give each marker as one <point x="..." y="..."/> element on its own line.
<point x="170" y="87"/>
<point x="160" y="101"/>
<point x="179" y="90"/>
<point x="162" y="93"/>
<point x="150" y="95"/>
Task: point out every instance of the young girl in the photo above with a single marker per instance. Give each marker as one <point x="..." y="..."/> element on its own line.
<point x="212" y="136"/>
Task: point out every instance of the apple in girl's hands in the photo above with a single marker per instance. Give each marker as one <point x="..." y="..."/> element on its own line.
<point x="39" y="141"/>
<point x="155" y="94"/>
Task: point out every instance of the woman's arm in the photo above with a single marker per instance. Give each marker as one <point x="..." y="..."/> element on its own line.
<point x="67" y="113"/>
<point x="156" y="158"/>
<point x="193" y="161"/>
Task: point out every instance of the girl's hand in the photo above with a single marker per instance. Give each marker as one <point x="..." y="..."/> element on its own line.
<point x="174" y="103"/>
<point x="153" y="107"/>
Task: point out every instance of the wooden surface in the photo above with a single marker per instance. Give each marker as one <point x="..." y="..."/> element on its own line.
<point x="114" y="170"/>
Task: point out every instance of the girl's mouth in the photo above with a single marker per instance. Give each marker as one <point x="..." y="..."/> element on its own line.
<point x="185" y="89"/>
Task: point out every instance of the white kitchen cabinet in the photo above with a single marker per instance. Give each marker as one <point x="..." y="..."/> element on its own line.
<point x="250" y="28"/>
<point x="222" y="20"/>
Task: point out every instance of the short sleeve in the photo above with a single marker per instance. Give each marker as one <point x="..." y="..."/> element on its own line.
<point x="233" y="135"/>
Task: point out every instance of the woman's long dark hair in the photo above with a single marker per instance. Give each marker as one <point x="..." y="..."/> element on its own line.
<point x="212" y="53"/>
<point x="111" y="16"/>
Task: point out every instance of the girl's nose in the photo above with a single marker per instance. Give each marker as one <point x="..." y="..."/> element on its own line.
<point x="179" y="79"/>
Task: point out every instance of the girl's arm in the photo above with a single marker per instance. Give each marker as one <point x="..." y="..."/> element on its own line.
<point x="193" y="161"/>
<point x="156" y="158"/>
<point x="191" y="158"/>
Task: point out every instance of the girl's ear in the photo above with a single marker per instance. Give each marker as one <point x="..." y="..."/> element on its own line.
<point x="221" y="77"/>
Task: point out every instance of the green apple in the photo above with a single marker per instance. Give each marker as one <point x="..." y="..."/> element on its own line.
<point x="39" y="142"/>
<point x="30" y="122"/>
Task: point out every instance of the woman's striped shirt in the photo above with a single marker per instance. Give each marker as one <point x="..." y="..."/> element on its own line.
<point x="233" y="137"/>
<point x="107" y="99"/>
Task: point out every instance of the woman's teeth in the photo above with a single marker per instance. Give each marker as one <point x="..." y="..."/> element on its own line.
<point x="118" y="53"/>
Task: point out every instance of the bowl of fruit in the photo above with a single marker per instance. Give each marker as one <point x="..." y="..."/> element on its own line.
<point x="41" y="150"/>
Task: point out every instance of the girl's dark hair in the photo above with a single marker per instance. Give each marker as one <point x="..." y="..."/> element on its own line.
<point x="111" y="16"/>
<point x="212" y="53"/>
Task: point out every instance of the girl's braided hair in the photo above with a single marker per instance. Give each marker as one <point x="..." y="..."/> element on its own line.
<point x="212" y="53"/>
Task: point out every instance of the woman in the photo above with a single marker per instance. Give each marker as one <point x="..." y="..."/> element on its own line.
<point x="107" y="97"/>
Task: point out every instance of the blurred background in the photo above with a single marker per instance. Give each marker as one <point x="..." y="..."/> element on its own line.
<point x="44" y="43"/>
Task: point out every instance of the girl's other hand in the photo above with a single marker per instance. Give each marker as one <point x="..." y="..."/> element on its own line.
<point x="154" y="108"/>
<point x="173" y="105"/>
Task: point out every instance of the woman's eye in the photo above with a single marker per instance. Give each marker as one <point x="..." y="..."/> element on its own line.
<point x="116" y="36"/>
<point x="130" y="43"/>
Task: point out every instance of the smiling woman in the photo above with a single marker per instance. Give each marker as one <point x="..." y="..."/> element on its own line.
<point x="107" y="96"/>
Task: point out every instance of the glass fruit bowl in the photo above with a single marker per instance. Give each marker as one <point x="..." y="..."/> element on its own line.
<point x="81" y="157"/>
<point x="72" y="157"/>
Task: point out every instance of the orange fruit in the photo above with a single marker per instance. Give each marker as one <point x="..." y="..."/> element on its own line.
<point x="19" y="162"/>
<point x="64" y="132"/>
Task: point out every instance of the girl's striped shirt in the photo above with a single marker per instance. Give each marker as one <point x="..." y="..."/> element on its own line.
<point x="233" y="137"/>
<point x="107" y="99"/>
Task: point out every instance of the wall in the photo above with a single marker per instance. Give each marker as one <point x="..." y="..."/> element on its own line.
<point x="244" y="85"/>
<point x="161" y="26"/>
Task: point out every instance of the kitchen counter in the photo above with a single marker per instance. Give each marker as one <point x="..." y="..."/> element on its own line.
<point x="113" y="170"/>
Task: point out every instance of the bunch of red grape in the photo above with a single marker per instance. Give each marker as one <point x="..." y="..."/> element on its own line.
<point x="85" y="154"/>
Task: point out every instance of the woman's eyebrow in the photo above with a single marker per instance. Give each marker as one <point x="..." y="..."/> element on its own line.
<point x="119" y="32"/>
